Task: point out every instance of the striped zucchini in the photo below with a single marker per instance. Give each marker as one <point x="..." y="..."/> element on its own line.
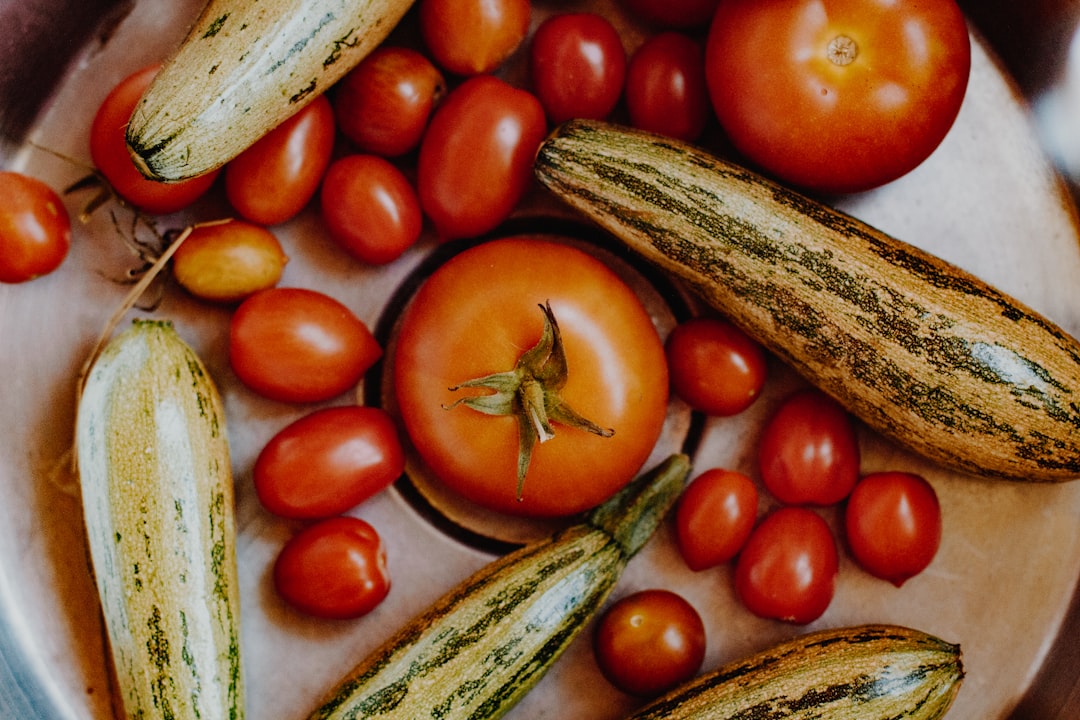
<point x="158" y="505"/>
<point x="920" y="350"/>
<point x="871" y="672"/>
<point x="483" y="645"/>
<point x="244" y="67"/>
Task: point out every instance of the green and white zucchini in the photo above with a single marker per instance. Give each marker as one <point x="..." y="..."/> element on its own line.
<point x="244" y="67"/>
<point x="920" y="350"/>
<point x="871" y="672"/>
<point x="482" y="646"/>
<point x="157" y="498"/>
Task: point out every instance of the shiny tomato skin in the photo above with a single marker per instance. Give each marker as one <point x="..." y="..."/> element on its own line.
<point x="370" y="208"/>
<point x="471" y="37"/>
<point x="893" y="525"/>
<point x="791" y="98"/>
<point x="35" y="228"/>
<point x="682" y="14"/>
<point x="334" y="569"/>
<point x="226" y="262"/>
<point x="787" y="569"/>
<point x="714" y="517"/>
<point x="109" y="152"/>
<point x="808" y="452"/>
<point x="328" y="462"/>
<point x="298" y="345"/>
<point x="383" y="104"/>
<point x="476" y="157"/>
<point x="274" y="179"/>
<point x="577" y="65"/>
<point x="715" y="367"/>
<point x="617" y="376"/>
<point x="650" y="641"/>
<point x="665" y="87"/>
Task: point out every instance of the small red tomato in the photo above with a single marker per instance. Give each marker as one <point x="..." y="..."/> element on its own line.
<point x="470" y="37"/>
<point x="226" y="262"/>
<point x="715" y="367"/>
<point x="578" y="66"/>
<point x="714" y="517"/>
<point x="333" y="569"/>
<point x="665" y="87"/>
<point x="299" y="345"/>
<point x="384" y="103"/>
<point x="787" y="569"/>
<point x="35" y="229"/>
<point x="893" y="525"/>
<point x="370" y="208"/>
<point x="684" y="14"/>
<point x="649" y="642"/>
<point x="108" y="150"/>
<point x="476" y="157"/>
<point x="274" y="179"/>
<point x="808" y="453"/>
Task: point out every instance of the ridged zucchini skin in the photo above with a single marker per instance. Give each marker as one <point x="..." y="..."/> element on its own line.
<point x="870" y="672"/>
<point x="157" y="497"/>
<point x="244" y="67"/>
<point x="482" y="646"/>
<point x="920" y="350"/>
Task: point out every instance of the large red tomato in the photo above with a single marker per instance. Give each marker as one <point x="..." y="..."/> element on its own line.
<point x="837" y="95"/>
<point x="478" y="314"/>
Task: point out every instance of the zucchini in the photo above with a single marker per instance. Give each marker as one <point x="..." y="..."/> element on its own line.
<point x="920" y="350"/>
<point x="243" y="68"/>
<point x="870" y="672"/>
<point x="483" y="645"/>
<point x="157" y="494"/>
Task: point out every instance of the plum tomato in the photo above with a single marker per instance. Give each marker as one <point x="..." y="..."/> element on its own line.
<point x="471" y="37"/>
<point x="370" y="208"/>
<point x="274" y="179"/>
<point x="299" y="345"/>
<point x="787" y="568"/>
<point x="665" y="87"/>
<point x="383" y="104"/>
<point x="608" y="354"/>
<point x="893" y="525"/>
<point x="35" y="228"/>
<point x="476" y="157"/>
<point x="328" y="461"/>
<point x="683" y="14"/>
<point x="715" y="367"/>
<point x="808" y="452"/>
<point x="109" y="152"/>
<point x="225" y="262"/>
<point x="837" y="96"/>
<point x="334" y="569"/>
<point x="650" y="641"/>
<point x="577" y="66"/>
<point x="714" y="517"/>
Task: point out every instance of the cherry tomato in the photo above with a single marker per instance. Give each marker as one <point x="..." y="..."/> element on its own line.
<point x="714" y="517"/>
<point x="649" y="642"/>
<point x="616" y="375"/>
<point x="35" y="229"/>
<point x="893" y="525"/>
<point x="299" y="345"/>
<point x="384" y="103"/>
<point x="715" y="367"/>
<point x="370" y="208"/>
<point x="470" y="37"/>
<point x="274" y="179"/>
<point x="328" y="462"/>
<point x="684" y="14"/>
<point x="665" y="87"/>
<point x="108" y="150"/>
<point x="809" y="452"/>
<point x="577" y="65"/>
<point x="334" y="569"/>
<point x="837" y="95"/>
<point x="787" y="569"/>
<point x="226" y="262"/>
<point x="476" y="157"/>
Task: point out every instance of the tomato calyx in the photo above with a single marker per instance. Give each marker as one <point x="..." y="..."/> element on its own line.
<point x="531" y="394"/>
<point x="842" y="50"/>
